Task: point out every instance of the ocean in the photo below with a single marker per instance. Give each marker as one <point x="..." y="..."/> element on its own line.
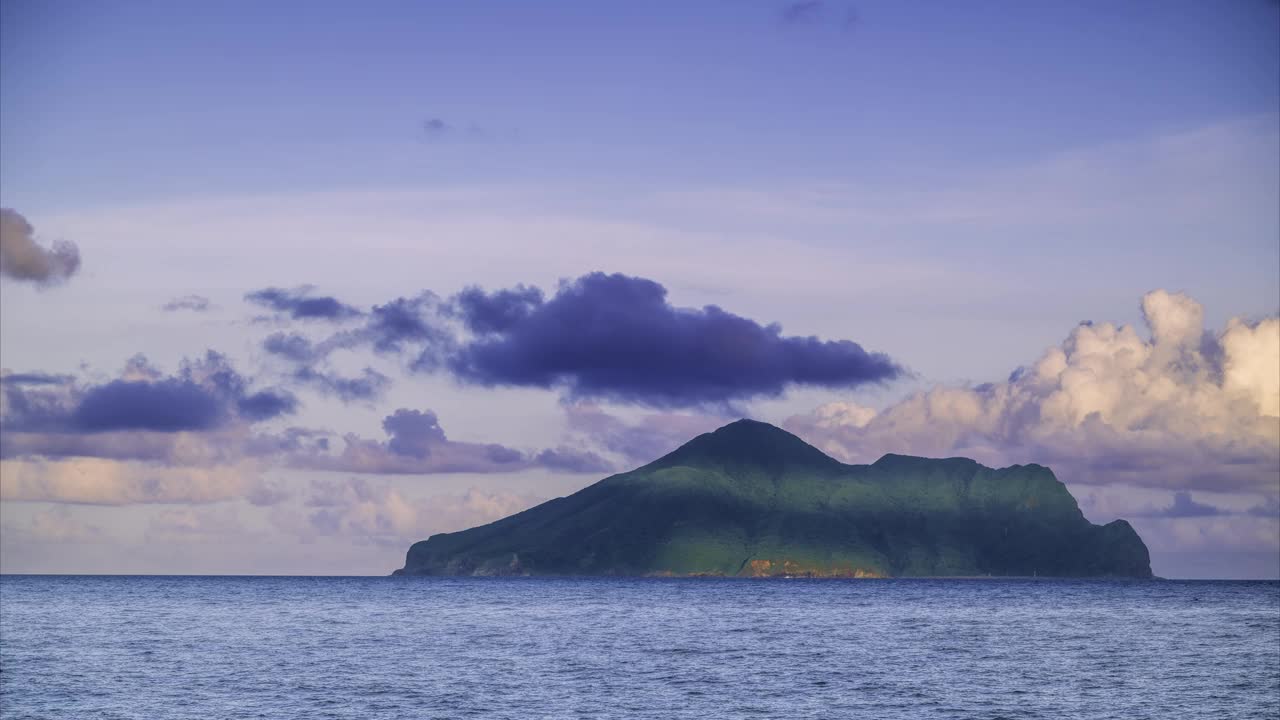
<point x="369" y="648"/>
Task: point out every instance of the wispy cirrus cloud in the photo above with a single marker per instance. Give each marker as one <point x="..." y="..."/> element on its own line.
<point x="368" y="385"/>
<point x="193" y="303"/>
<point x="817" y="12"/>
<point x="299" y="304"/>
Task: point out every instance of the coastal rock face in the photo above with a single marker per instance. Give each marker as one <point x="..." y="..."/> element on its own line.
<point x="753" y="500"/>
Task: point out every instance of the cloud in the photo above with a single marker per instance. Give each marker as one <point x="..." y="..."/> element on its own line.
<point x="24" y="259"/>
<point x="369" y="385"/>
<point x="495" y="312"/>
<point x="33" y="378"/>
<point x="98" y="481"/>
<point x="300" y="305"/>
<point x="56" y="416"/>
<point x="606" y="337"/>
<point x="815" y="12"/>
<point x="640" y="442"/>
<point x="574" y="460"/>
<point x="56" y="524"/>
<point x="201" y="420"/>
<point x="1182" y="409"/>
<point x="439" y="129"/>
<point x="1222" y="534"/>
<point x="412" y="432"/>
<point x="290" y="346"/>
<point x="307" y="358"/>
<point x="802" y="12"/>
<point x="166" y="406"/>
<point x="1270" y="507"/>
<point x="266" y="404"/>
<point x="401" y="322"/>
<point x="194" y="303"/>
<point x="376" y="512"/>
<point x="200" y="448"/>
<point x="416" y="444"/>
<point x="414" y="325"/>
<point x="185" y="524"/>
<point x="1142" y="503"/>
<point x="1184" y="506"/>
<point x="617" y="337"/>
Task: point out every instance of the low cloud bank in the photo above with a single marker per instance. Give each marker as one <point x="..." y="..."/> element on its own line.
<point x="376" y="512"/>
<point x="194" y="436"/>
<point x="416" y="444"/>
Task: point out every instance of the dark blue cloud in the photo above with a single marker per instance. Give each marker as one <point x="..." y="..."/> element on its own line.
<point x="205" y="394"/>
<point x="412" y="432"/>
<point x="1184" y="506"/>
<point x="34" y="379"/>
<point x="370" y="385"/>
<point x="300" y="305"/>
<point x="495" y="312"/>
<point x="267" y="404"/>
<point x="36" y="407"/>
<point x="617" y="337"/>
<point x="290" y="346"/>
<point x="403" y="321"/>
<point x="600" y="336"/>
<point x="572" y="460"/>
<point x="402" y="325"/>
<point x="167" y="406"/>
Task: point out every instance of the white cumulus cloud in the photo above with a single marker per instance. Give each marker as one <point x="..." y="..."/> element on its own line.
<point x="1178" y="409"/>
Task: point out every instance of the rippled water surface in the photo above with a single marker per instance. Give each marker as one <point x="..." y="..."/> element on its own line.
<point x="153" y="647"/>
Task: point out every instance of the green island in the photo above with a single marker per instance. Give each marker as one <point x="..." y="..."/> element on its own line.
<point x="752" y="500"/>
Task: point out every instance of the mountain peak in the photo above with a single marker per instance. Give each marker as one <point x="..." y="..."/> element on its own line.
<point x="753" y="500"/>
<point x="748" y="442"/>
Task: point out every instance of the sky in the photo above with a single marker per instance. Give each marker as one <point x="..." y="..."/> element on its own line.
<point x="286" y="287"/>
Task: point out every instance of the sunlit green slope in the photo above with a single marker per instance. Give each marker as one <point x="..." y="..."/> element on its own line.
<point x="751" y="499"/>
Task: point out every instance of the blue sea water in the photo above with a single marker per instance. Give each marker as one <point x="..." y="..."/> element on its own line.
<point x="221" y="647"/>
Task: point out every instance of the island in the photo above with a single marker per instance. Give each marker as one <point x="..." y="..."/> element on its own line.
<point x="753" y="500"/>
